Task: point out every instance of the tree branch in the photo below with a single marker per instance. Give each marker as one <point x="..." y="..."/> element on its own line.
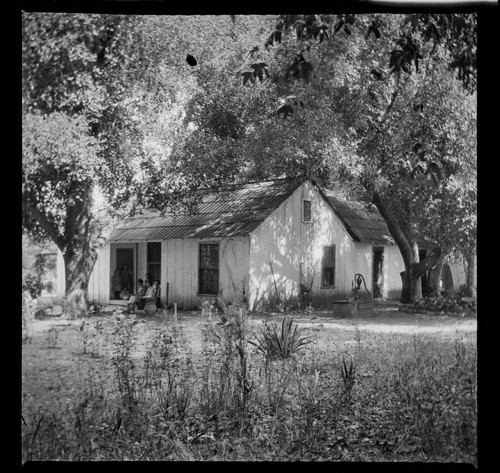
<point x="428" y="262"/>
<point x="394" y="228"/>
<point x="45" y="223"/>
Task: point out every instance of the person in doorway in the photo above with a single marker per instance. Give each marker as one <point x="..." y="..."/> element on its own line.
<point x="134" y="298"/>
<point x="116" y="284"/>
<point x="127" y="278"/>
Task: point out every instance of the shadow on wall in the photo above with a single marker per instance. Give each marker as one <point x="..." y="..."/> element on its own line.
<point x="284" y="243"/>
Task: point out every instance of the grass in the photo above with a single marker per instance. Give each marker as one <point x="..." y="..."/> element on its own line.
<point x="118" y="388"/>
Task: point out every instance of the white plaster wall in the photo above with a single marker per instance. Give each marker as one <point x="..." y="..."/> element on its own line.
<point x="285" y="241"/>
<point x="393" y="266"/>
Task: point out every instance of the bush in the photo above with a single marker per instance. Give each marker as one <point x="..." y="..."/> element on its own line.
<point x="281" y="343"/>
<point x="33" y="286"/>
<point x="93" y="307"/>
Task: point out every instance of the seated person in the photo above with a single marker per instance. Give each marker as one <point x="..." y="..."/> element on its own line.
<point x="157" y="293"/>
<point x="134" y="298"/>
<point x="149" y="294"/>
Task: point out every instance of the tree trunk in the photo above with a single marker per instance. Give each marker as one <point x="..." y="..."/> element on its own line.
<point x="78" y="265"/>
<point x="412" y="287"/>
<point x="435" y="276"/>
<point x="414" y="268"/>
<point x="80" y="254"/>
<point x="471" y="276"/>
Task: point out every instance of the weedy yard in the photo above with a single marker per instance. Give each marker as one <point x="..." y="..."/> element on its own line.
<point x="392" y="387"/>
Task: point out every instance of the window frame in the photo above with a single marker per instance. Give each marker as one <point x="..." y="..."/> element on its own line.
<point x="304" y="212"/>
<point x="156" y="264"/>
<point x="216" y="270"/>
<point x="323" y="267"/>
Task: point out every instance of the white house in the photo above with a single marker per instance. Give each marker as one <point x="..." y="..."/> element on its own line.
<point x="258" y="238"/>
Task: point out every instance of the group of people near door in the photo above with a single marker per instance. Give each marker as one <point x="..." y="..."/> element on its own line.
<point x="147" y="289"/>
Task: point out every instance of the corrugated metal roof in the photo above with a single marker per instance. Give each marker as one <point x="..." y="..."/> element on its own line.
<point x="238" y="209"/>
<point x="362" y="221"/>
<point x="233" y="210"/>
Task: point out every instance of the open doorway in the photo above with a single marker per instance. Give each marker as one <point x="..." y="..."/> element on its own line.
<point x="124" y="262"/>
<point x="378" y="272"/>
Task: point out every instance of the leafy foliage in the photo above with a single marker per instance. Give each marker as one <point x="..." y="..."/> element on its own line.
<point x="33" y="286"/>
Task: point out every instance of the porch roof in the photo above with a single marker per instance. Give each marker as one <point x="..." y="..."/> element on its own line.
<point x="234" y="210"/>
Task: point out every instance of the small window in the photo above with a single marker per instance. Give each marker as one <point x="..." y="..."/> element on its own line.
<point x="328" y="267"/>
<point x="208" y="282"/>
<point x="306" y="210"/>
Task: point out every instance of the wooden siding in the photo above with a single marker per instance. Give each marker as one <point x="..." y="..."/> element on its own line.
<point x="180" y="260"/>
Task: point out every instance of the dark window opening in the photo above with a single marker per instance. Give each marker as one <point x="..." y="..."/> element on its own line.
<point x="306" y="213"/>
<point x="209" y="269"/>
<point x="378" y="272"/>
<point x="154" y="260"/>
<point x="328" y="267"/>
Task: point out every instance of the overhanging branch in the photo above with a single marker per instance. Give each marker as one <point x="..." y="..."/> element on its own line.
<point x="44" y="222"/>
<point x="394" y="228"/>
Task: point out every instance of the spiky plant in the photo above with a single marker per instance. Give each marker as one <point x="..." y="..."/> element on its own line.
<point x="276" y="342"/>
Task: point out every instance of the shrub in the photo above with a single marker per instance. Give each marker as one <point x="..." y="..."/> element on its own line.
<point x="33" y="285"/>
<point x="281" y="343"/>
<point x="93" y="307"/>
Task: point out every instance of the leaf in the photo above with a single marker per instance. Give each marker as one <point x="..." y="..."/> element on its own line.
<point x="275" y="36"/>
<point x="339" y="25"/>
<point x="323" y="35"/>
<point x="395" y="60"/>
<point x="248" y="76"/>
<point x="253" y="51"/>
<point x="191" y="60"/>
<point x="376" y="74"/>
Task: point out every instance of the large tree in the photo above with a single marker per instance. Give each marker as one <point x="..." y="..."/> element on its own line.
<point x="87" y="86"/>
<point x="104" y="98"/>
<point x="381" y="105"/>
